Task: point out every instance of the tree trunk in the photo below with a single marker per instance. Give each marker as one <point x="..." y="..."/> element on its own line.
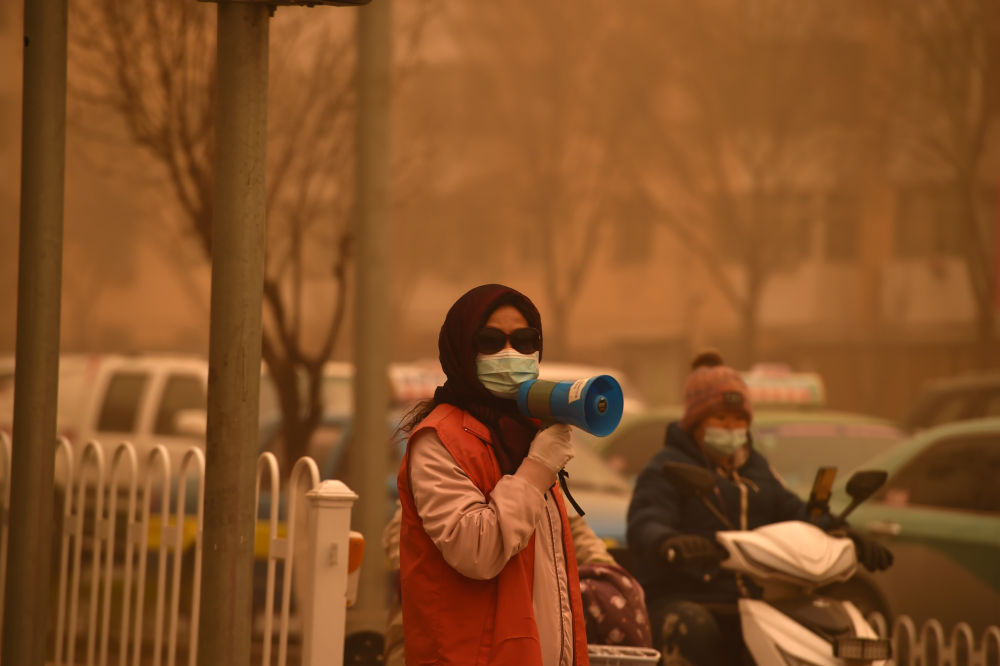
<point x="556" y="333"/>
<point x="750" y="319"/>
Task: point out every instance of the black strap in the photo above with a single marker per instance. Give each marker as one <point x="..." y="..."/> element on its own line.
<point x="563" y="474"/>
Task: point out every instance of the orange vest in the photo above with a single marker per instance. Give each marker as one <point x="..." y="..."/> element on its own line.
<point x="449" y="618"/>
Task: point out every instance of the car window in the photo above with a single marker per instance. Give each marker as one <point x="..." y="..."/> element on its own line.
<point x="180" y="392"/>
<point x="121" y="402"/>
<point x="954" y="473"/>
<point x="797" y="449"/>
<point x="952" y="407"/>
<point x="338" y="395"/>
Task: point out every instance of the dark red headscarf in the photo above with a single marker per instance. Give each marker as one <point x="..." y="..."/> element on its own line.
<point x="511" y="432"/>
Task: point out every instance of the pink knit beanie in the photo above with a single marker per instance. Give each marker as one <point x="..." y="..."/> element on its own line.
<point x="712" y="385"/>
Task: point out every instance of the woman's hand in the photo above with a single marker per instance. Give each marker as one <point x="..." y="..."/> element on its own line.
<point x="550" y="450"/>
<point x="692" y="549"/>
<point x="552" y="447"/>
<point x="871" y="554"/>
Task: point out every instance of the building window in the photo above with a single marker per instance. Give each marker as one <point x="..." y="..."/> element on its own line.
<point x="795" y="215"/>
<point x="779" y="223"/>
<point x="840" y="242"/>
<point x="927" y="222"/>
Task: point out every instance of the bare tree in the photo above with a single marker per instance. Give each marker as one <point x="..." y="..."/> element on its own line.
<point x="554" y="99"/>
<point x="152" y="65"/>
<point x="747" y="127"/>
<point x="949" y="68"/>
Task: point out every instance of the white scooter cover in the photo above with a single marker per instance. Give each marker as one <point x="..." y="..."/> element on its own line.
<point x="792" y="551"/>
<point x="803" y="555"/>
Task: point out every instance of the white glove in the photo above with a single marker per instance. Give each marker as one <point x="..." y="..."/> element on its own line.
<point x="552" y="447"/>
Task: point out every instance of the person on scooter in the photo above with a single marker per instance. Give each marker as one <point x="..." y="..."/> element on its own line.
<point x="691" y="601"/>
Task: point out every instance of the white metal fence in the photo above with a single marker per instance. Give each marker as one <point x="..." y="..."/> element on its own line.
<point x="128" y="547"/>
<point x="128" y="559"/>
<point x="931" y="645"/>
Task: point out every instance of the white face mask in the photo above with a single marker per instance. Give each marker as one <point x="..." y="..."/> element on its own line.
<point x="724" y="442"/>
<point x="502" y="373"/>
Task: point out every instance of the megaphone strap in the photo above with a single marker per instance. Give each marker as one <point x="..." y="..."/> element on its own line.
<point x="563" y="474"/>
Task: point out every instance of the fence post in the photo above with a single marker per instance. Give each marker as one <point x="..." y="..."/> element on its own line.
<point x="324" y="612"/>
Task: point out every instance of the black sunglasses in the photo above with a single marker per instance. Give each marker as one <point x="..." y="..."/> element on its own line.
<point x="490" y="340"/>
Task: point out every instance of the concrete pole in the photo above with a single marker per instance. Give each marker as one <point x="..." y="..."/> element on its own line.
<point x="238" y="238"/>
<point x="371" y="384"/>
<point x="39" y="286"/>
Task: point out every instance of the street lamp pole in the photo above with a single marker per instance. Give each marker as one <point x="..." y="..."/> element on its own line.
<point x="371" y="343"/>
<point x="39" y="287"/>
<point x="238" y="241"/>
<point x="238" y="245"/>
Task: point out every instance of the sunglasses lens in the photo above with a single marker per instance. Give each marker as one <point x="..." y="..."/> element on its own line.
<point x="526" y="340"/>
<point x="490" y="340"/>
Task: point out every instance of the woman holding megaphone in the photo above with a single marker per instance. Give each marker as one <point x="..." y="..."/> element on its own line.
<point x="484" y="576"/>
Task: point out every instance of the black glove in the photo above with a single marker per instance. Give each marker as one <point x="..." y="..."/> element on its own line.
<point x="873" y="555"/>
<point x="691" y="549"/>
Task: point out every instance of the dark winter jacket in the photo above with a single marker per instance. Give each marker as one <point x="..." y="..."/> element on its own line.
<point x="658" y="511"/>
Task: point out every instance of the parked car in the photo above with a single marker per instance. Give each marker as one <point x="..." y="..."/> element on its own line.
<point x="949" y="399"/>
<point x="146" y="399"/>
<point x="795" y="441"/>
<point x="939" y="513"/>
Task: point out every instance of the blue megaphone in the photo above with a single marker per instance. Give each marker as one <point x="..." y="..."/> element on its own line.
<point x="593" y="404"/>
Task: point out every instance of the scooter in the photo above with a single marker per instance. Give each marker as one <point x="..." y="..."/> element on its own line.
<point x="791" y="625"/>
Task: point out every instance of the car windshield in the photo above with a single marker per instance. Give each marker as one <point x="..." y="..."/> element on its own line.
<point x="797" y="450"/>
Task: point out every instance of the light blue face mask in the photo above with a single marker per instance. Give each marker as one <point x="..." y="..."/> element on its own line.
<point x="502" y="373"/>
<point x="724" y="442"/>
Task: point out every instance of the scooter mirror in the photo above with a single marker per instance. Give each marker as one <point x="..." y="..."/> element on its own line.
<point x="689" y="478"/>
<point x="860" y="487"/>
<point x="863" y="484"/>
